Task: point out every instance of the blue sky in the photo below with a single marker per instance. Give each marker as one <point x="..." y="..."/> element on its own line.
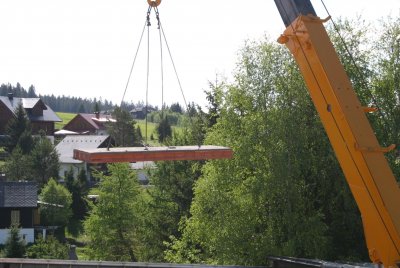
<point x="85" y="47"/>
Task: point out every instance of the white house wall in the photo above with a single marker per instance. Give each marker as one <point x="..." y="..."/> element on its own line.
<point x="65" y="167"/>
<point x="27" y="233"/>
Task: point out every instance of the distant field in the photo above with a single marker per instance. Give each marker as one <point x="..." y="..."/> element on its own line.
<point x="65" y="117"/>
<point x="151" y="127"/>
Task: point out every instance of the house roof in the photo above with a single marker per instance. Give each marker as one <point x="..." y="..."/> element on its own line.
<point x="48" y="115"/>
<point x="65" y="132"/>
<point x="66" y="147"/>
<point x="96" y="123"/>
<point x="141" y="109"/>
<point x="18" y="194"/>
<point x="88" y="118"/>
<point x="29" y="103"/>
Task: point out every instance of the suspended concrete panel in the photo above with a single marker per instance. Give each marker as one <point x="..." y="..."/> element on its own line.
<point x="136" y="154"/>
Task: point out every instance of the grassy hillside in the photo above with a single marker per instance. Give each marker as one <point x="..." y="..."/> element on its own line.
<point x="65" y="117"/>
<point x="151" y="127"/>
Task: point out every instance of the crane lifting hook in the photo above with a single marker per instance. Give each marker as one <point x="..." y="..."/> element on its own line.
<point x="154" y="3"/>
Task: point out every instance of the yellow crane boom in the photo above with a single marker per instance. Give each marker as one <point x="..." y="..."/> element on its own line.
<point x="361" y="158"/>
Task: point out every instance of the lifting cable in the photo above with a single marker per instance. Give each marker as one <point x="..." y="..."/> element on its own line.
<point x="154" y="5"/>
<point x="148" y="71"/>
<point x="162" y="64"/>
<point x="134" y="59"/>
<point x="161" y="32"/>
<point x="357" y="68"/>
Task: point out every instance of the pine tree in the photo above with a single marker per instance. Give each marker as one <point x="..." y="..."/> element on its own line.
<point x="164" y="130"/>
<point x="123" y="130"/>
<point x="19" y="131"/>
<point x="96" y="107"/>
<point x="14" y="246"/>
<point x="32" y="92"/>
<point x="114" y="222"/>
<point x="44" y="161"/>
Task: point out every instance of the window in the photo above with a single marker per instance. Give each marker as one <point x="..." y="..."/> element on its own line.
<point x="15" y="217"/>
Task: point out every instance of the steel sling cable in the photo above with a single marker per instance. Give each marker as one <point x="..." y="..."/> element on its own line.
<point x="162" y="63"/>
<point x="173" y="64"/>
<point x="137" y="51"/>
<point x="148" y="72"/>
<point x="133" y="63"/>
<point x="177" y="77"/>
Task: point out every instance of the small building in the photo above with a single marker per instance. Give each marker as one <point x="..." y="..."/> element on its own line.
<point x="141" y="170"/>
<point x="66" y="148"/>
<point x="140" y="112"/>
<point x="18" y="205"/>
<point x="41" y="116"/>
<point x="90" y="124"/>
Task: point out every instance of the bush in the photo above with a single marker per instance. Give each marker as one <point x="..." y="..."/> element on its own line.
<point x="50" y="248"/>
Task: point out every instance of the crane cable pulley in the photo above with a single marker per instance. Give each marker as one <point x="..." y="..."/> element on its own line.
<point x="154" y="3"/>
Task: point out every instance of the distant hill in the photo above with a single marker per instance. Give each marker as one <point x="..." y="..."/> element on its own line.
<point x="66" y="104"/>
<point x="75" y="105"/>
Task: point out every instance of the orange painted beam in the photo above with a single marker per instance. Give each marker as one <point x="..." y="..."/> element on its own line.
<point x="136" y="154"/>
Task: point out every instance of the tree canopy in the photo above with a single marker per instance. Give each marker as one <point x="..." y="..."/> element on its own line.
<point x="113" y="223"/>
<point x="56" y="208"/>
<point x="284" y="192"/>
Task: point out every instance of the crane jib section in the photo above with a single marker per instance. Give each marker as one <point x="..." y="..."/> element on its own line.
<point x="361" y="158"/>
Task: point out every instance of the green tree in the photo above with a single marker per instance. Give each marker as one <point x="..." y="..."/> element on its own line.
<point x="139" y="134"/>
<point x="32" y="92"/>
<point x="96" y="108"/>
<point x="50" y="248"/>
<point x="19" y="130"/>
<point x="17" y="166"/>
<point x="283" y="193"/>
<point x="214" y="97"/>
<point x="14" y="246"/>
<point x="113" y="223"/>
<point x="168" y="200"/>
<point x="79" y="189"/>
<point x="164" y="130"/>
<point x="123" y="130"/>
<point x="81" y="108"/>
<point x="176" y="108"/>
<point x="44" y="161"/>
<point x="386" y="87"/>
<point x="56" y="207"/>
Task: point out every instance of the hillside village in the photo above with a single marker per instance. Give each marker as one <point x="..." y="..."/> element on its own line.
<point x="22" y="205"/>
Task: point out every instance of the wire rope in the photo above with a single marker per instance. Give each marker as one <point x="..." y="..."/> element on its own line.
<point x="148" y="73"/>
<point x="161" y="28"/>
<point x="134" y="60"/>
<point x="174" y="67"/>
<point x="162" y="37"/>
<point x="162" y="63"/>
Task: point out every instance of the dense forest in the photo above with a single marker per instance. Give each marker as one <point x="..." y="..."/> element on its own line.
<point x="63" y="103"/>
